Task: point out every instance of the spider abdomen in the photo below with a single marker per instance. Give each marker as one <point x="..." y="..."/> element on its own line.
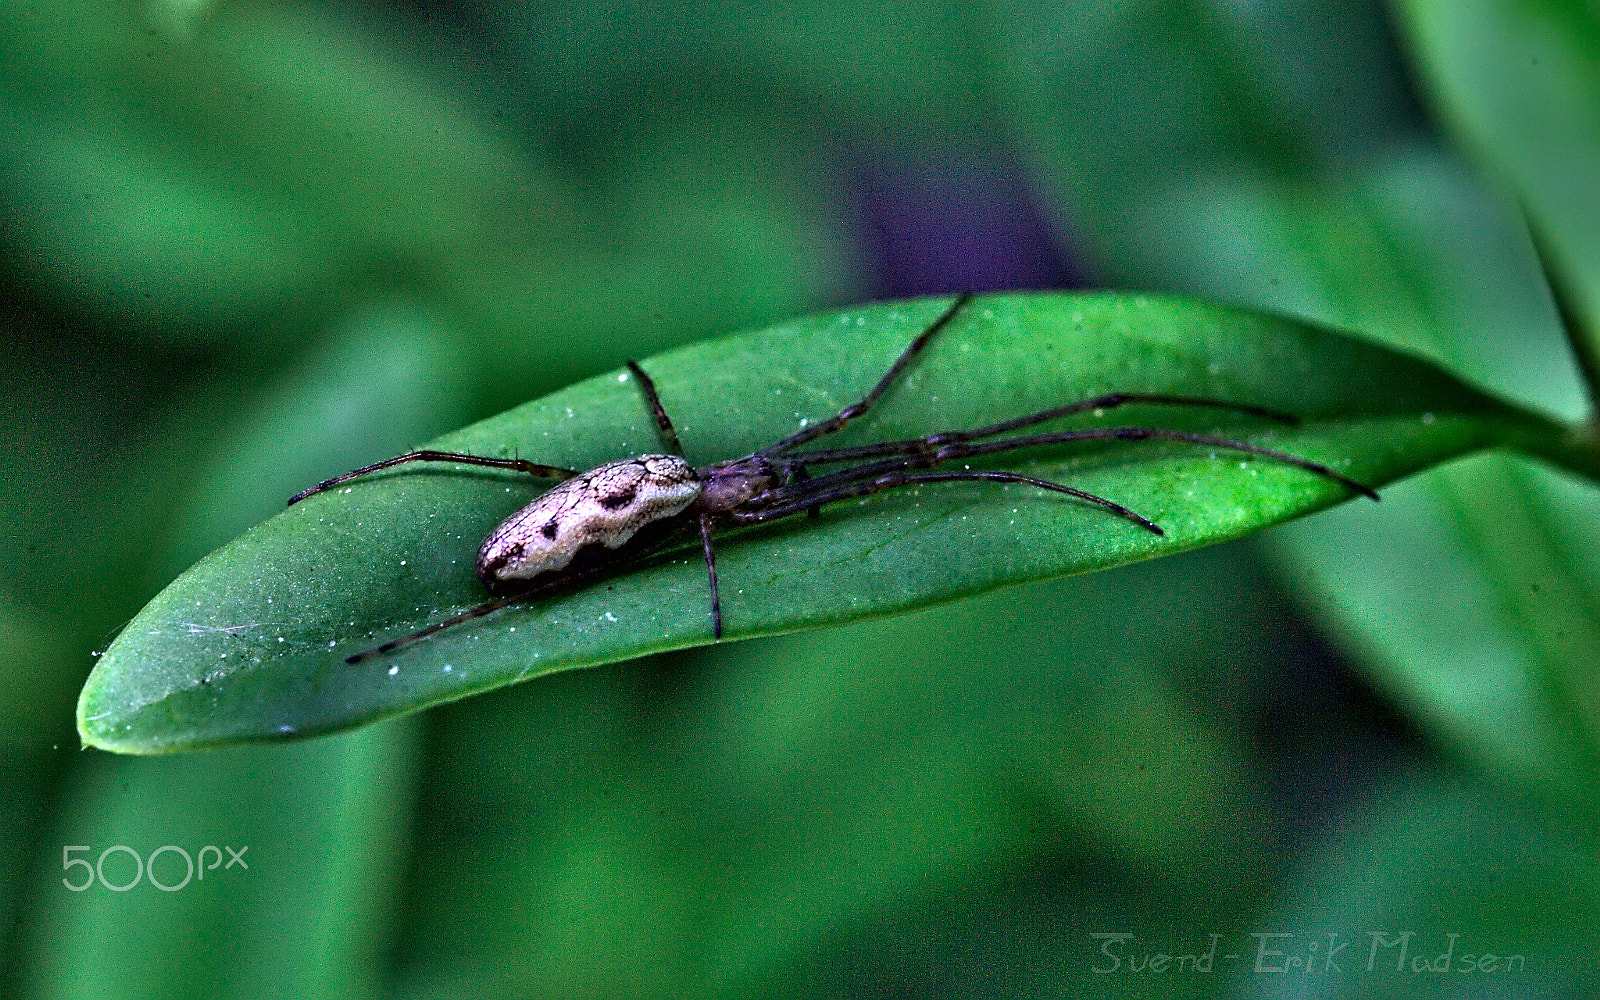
<point x="605" y="506"/>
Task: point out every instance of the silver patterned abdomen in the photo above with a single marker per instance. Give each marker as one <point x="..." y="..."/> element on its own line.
<point x="605" y="506"/>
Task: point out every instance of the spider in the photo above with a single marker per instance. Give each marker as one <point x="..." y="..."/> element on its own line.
<point x="592" y="522"/>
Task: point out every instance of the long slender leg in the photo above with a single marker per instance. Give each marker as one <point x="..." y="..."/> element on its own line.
<point x="916" y="455"/>
<point x="856" y="409"/>
<point x="406" y="640"/>
<point x="890" y="480"/>
<point x="802" y="474"/>
<point x="662" y="421"/>
<point x="551" y="585"/>
<point x="1112" y="400"/>
<point x="711" y="575"/>
<point x="1106" y="402"/>
<point x="520" y="465"/>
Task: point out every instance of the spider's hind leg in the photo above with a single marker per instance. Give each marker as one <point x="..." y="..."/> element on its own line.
<point x="520" y="465"/>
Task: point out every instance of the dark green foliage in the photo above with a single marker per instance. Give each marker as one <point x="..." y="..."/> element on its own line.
<point x="249" y="246"/>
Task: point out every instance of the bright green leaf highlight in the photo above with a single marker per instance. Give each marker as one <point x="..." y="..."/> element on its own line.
<point x="250" y="643"/>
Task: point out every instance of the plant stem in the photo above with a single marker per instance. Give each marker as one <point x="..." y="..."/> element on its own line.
<point x="1574" y="448"/>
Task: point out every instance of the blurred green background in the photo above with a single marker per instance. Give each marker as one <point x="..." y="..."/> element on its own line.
<point x="246" y="246"/>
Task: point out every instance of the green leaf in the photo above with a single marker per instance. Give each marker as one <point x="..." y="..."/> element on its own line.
<point x="250" y="643"/>
<point x="1516" y="79"/>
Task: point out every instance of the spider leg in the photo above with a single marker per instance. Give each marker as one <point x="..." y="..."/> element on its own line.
<point x="662" y="420"/>
<point x="1111" y="400"/>
<point x="856" y="409"/>
<point x="914" y="455"/>
<point x="406" y="640"/>
<point x="1106" y="402"/>
<point x="892" y="479"/>
<point x="540" y="589"/>
<point x="711" y="575"/>
<point x="520" y="465"/>
<point x="802" y="474"/>
<point x="589" y="565"/>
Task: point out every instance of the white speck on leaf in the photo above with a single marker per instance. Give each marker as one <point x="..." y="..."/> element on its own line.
<point x="394" y="670"/>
